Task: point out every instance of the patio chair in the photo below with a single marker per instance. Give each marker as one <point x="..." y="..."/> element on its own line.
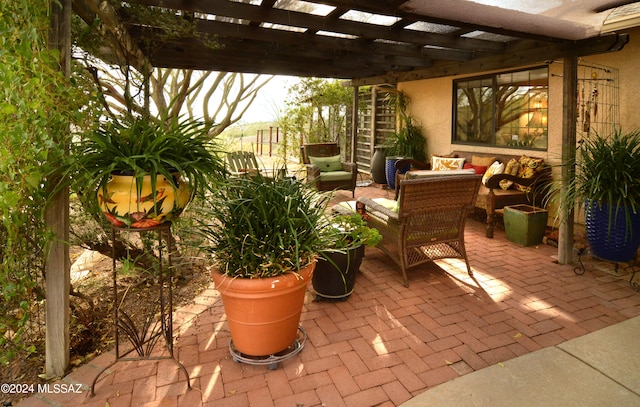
<point x="427" y="221"/>
<point x="242" y="163"/>
<point x="325" y="170"/>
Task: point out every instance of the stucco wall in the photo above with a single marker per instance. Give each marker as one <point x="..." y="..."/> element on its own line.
<point x="628" y="62"/>
<point x="431" y="103"/>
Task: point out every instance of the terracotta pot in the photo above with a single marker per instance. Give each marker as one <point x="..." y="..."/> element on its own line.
<point x="120" y="204"/>
<point x="264" y="313"/>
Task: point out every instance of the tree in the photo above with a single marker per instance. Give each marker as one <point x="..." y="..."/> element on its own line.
<point x="317" y="110"/>
<point x="126" y="77"/>
<point x="129" y="83"/>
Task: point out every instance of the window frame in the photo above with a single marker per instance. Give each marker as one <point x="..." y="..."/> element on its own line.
<point x="492" y="139"/>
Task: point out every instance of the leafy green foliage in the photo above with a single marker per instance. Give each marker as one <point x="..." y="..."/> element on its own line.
<point x="351" y="231"/>
<point x="408" y="140"/>
<point x="317" y="110"/>
<point x="265" y="227"/>
<point x="37" y="107"/>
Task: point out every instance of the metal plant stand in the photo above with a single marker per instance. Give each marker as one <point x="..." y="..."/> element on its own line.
<point x="632" y="268"/>
<point x="157" y="322"/>
<point x="271" y="360"/>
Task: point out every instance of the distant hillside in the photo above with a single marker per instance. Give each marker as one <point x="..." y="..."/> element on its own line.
<point x="246" y="130"/>
<point x="244" y="136"/>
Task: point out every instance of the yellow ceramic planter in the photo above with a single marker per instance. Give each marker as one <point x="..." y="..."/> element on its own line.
<point x="121" y="205"/>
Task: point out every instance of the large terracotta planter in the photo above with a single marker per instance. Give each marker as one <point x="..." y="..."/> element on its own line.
<point x="120" y="204"/>
<point x="264" y="313"/>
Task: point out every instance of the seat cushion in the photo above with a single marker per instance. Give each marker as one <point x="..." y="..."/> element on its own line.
<point x="335" y="176"/>
<point x="327" y="164"/>
<point x="413" y="174"/>
<point x="349" y="207"/>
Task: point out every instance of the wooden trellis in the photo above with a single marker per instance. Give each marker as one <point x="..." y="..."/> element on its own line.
<point x="376" y="120"/>
<point x="598" y="102"/>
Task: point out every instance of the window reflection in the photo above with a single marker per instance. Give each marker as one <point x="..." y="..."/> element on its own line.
<point x="508" y="109"/>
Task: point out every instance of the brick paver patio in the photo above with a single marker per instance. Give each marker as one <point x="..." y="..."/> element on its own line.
<point x="386" y="343"/>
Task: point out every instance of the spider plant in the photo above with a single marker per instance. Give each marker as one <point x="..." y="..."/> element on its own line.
<point x="607" y="186"/>
<point x="607" y="172"/>
<point x="265" y="227"/>
<point x="140" y="145"/>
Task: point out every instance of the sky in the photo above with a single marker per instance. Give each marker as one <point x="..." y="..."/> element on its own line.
<point x="270" y="100"/>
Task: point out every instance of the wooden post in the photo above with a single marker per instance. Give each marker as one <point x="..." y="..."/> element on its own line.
<point x="354" y="124"/>
<point x="270" y="141"/>
<point x="57" y="220"/>
<point x="374" y="111"/>
<point x="569" y="100"/>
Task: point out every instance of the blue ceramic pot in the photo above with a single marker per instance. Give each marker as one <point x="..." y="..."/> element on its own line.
<point x="617" y="242"/>
<point x="390" y="170"/>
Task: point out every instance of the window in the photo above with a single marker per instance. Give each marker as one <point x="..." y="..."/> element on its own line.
<point x="506" y="110"/>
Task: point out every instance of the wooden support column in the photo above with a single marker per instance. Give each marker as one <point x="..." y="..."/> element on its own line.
<point x="569" y="101"/>
<point x="354" y="123"/>
<point x="57" y="220"/>
<point x="374" y="112"/>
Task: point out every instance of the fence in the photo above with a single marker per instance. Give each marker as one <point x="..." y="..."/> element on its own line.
<point x="273" y="138"/>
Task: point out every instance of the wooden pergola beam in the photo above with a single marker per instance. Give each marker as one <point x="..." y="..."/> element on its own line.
<point x="521" y="56"/>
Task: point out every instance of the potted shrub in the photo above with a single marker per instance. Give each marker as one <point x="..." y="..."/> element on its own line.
<point x="264" y="237"/>
<point x="337" y="268"/>
<point x="607" y="186"/>
<point x="406" y="142"/>
<point x="145" y="170"/>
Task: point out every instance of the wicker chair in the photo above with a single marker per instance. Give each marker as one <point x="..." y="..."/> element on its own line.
<point x="341" y="178"/>
<point x="429" y="222"/>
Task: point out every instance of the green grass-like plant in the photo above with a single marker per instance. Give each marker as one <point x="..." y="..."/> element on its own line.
<point x="607" y="172"/>
<point x="265" y="227"/>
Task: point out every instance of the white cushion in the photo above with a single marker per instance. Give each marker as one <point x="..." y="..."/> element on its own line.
<point x="431" y="173"/>
<point x="495" y="168"/>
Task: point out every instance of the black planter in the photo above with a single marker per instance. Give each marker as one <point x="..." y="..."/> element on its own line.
<point x="617" y="243"/>
<point x="377" y="165"/>
<point x="335" y="279"/>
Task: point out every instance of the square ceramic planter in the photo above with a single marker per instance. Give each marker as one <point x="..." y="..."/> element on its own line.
<point x="525" y="224"/>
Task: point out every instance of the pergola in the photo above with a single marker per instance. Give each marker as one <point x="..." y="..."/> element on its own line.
<point x="369" y="42"/>
<point x="366" y="42"/>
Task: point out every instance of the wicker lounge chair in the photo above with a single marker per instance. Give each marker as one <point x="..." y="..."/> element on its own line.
<point x="429" y="221"/>
<point x="325" y="170"/>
